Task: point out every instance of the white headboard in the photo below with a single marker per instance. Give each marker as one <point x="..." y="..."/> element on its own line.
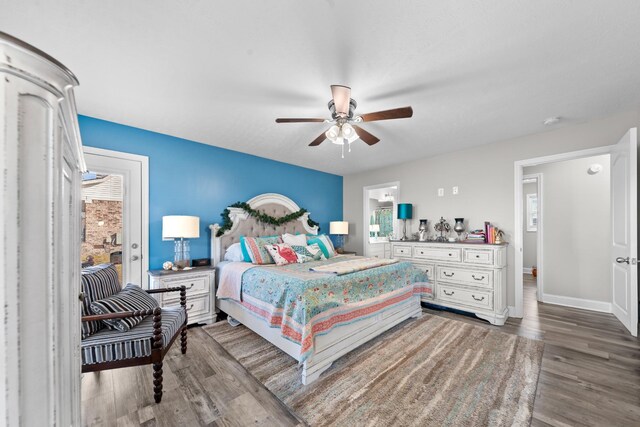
<point x="273" y="204"/>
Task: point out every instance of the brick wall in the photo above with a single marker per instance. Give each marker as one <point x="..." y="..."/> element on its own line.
<point x="110" y="213"/>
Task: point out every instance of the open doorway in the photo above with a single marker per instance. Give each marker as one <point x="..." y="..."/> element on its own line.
<point x="380" y="212"/>
<point x="585" y="220"/>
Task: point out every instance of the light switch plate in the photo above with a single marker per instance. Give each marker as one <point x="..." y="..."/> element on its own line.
<point x="440" y="192"/>
<point x="455" y="190"/>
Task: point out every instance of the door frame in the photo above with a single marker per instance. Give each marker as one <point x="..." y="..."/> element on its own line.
<point x="518" y="172"/>
<point x="538" y="177"/>
<point x="365" y="210"/>
<point x="144" y="163"/>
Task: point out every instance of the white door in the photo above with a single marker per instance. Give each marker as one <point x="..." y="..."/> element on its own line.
<point x="115" y="218"/>
<point x="624" y="211"/>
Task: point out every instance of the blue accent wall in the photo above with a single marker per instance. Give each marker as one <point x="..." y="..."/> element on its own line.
<point x="189" y="178"/>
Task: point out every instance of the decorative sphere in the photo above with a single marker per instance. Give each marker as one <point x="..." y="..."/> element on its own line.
<point x="167" y="265"/>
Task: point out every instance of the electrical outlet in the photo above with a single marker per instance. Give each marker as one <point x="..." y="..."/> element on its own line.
<point x="440" y="192"/>
<point x="455" y="190"/>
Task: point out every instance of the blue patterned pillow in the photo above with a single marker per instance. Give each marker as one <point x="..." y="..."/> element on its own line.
<point x="325" y="244"/>
<point x="130" y="298"/>
<point x="308" y="253"/>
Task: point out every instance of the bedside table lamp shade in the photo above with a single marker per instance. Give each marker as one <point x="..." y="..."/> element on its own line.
<point x="180" y="227"/>
<point x="405" y="212"/>
<point x="339" y="229"/>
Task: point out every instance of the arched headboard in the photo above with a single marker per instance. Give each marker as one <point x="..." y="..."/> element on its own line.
<point x="273" y="204"/>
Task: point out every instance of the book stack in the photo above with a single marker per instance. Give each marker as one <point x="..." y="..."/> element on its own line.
<point x="476" y="236"/>
<point x="490" y="233"/>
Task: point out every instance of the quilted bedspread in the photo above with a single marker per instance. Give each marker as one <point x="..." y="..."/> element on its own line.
<point x="305" y="304"/>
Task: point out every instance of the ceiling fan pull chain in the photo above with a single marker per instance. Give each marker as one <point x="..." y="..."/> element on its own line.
<point x="349" y="146"/>
<point x="343" y="151"/>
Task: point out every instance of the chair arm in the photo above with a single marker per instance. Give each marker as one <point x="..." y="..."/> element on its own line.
<point x="120" y="315"/>
<point x="182" y="289"/>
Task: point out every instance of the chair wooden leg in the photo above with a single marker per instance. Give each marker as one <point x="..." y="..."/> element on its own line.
<point x="183" y="340"/>
<point x="157" y="382"/>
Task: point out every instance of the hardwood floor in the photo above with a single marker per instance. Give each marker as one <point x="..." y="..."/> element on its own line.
<point x="590" y="376"/>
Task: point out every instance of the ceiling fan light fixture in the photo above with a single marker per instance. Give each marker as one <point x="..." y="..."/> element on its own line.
<point x="333" y="133"/>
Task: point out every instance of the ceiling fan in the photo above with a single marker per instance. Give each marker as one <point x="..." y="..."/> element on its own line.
<point x="344" y="130"/>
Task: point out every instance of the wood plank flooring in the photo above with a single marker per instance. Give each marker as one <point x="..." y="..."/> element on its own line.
<point x="590" y="376"/>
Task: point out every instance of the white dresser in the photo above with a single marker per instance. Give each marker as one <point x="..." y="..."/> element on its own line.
<point x="467" y="277"/>
<point x="200" y="284"/>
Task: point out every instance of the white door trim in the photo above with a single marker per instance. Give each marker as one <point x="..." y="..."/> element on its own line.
<point x="539" y="236"/>
<point x="365" y="210"/>
<point x="144" y="162"/>
<point x="518" y="167"/>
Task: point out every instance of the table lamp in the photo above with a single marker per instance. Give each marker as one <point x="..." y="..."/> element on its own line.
<point x="339" y="229"/>
<point x="179" y="228"/>
<point x="405" y="212"/>
<point x="374" y="228"/>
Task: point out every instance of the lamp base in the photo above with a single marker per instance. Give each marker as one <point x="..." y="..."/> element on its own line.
<point x="182" y="254"/>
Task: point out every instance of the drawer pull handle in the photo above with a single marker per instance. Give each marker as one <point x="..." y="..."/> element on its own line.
<point x="477" y="299"/>
<point x="475" y="278"/>
<point x="477" y="256"/>
<point x="448" y="275"/>
<point x="449" y="294"/>
<point x="190" y="286"/>
<point x="450" y="254"/>
<point x="190" y="307"/>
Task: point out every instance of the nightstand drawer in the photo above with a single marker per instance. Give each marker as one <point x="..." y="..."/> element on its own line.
<point x="195" y="305"/>
<point x="470" y="297"/>
<point x="427" y="269"/>
<point x="195" y="285"/>
<point x="465" y="277"/>
<point x="448" y="254"/>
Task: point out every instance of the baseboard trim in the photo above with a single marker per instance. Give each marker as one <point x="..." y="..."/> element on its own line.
<point x="587" y="304"/>
<point x="527" y="270"/>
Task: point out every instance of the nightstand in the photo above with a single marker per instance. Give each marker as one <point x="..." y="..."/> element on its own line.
<point x="200" y="284"/>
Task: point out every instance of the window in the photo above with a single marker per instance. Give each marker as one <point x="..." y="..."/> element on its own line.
<point x="532" y="212"/>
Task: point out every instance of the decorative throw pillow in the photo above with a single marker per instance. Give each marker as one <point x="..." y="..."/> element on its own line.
<point x="98" y="282"/>
<point x="325" y="245"/>
<point x="256" y="250"/>
<point x="130" y="298"/>
<point x="308" y="253"/>
<point x="234" y="253"/>
<point x="282" y="253"/>
<point x="294" y="239"/>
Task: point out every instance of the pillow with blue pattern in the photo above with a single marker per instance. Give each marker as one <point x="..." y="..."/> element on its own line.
<point x="130" y="298"/>
<point x="308" y="253"/>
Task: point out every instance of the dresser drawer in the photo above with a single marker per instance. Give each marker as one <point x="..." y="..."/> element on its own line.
<point x="449" y="254"/>
<point x="195" y="305"/>
<point x="465" y="276"/>
<point x="478" y="256"/>
<point x="428" y="269"/>
<point x="470" y="297"/>
<point x="402" y="251"/>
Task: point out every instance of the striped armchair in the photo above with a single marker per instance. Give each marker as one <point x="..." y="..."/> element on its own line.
<point x="145" y="343"/>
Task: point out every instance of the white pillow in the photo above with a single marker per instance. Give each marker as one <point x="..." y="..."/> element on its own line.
<point x="294" y="239"/>
<point x="234" y="253"/>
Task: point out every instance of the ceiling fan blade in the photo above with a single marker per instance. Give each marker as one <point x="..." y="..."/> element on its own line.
<point x="366" y="136"/>
<point x="341" y="97"/>
<point x="286" y="120"/>
<point x="319" y="140"/>
<point x="396" y="113"/>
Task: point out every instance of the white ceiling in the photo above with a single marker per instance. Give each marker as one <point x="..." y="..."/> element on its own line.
<point x="221" y="72"/>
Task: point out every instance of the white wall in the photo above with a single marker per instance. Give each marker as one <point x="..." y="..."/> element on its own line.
<point x="529" y="238"/>
<point x="484" y="175"/>
<point x="577" y="229"/>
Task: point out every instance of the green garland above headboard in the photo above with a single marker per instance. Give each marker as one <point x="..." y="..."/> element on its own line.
<point x="262" y="217"/>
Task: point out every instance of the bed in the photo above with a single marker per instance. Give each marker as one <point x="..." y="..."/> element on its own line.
<point x="315" y="317"/>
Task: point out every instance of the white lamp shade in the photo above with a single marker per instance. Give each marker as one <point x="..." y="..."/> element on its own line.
<point x="338" y="227"/>
<point x="374" y="228"/>
<point x="180" y="226"/>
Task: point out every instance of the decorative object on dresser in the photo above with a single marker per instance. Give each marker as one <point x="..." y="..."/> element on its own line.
<point x="131" y="344"/>
<point x="199" y="283"/>
<point x="42" y="163"/>
<point x="458" y="227"/>
<point x="405" y="212"/>
<point x="443" y="228"/>
<point x="339" y="229"/>
<point x="467" y="277"/>
<point x="179" y="228"/>
<point x="422" y="230"/>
